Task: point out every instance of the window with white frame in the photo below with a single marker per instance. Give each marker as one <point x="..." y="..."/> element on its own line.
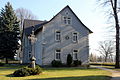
<point x="57" y="54"/>
<point x="67" y="20"/>
<point x="75" y="54"/>
<point x="75" y="37"/>
<point x="57" y="36"/>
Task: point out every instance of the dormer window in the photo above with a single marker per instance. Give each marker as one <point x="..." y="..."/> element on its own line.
<point x="67" y="20"/>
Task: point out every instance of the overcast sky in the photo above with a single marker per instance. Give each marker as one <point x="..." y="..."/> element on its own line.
<point x="90" y="13"/>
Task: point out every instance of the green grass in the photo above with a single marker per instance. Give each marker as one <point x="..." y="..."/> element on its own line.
<point x="57" y="74"/>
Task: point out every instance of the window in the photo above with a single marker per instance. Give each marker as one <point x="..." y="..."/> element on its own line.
<point x="29" y="55"/>
<point x="57" y="54"/>
<point x="75" y="38"/>
<point x="57" y="36"/>
<point x="75" y="52"/>
<point x="67" y="20"/>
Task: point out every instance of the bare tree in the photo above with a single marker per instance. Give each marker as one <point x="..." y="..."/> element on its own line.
<point x="22" y="14"/>
<point x="114" y="8"/>
<point x="106" y="48"/>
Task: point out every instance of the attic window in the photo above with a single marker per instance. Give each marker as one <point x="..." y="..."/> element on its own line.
<point x="67" y="20"/>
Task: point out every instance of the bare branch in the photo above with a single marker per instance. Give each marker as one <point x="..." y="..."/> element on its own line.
<point x="106" y="48"/>
<point x="114" y="7"/>
<point x="111" y="1"/>
<point x="23" y="13"/>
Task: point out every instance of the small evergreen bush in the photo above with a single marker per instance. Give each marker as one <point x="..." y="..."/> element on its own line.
<point x="55" y="63"/>
<point x="80" y="62"/>
<point x="26" y="71"/>
<point x="21" y="73"/>
<point x="69" y="59"/>
<point x="35" y="71"/>
<point x="2" y="64"/>
<point x="76" y="62"/>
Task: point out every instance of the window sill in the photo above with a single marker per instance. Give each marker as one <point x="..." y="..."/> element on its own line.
<point x="58" y="40"/>
<point x="75" y="41"/>
<point x="75" y="59"/>
<point x="67" y="24"/>
<point x="57" y="59"/>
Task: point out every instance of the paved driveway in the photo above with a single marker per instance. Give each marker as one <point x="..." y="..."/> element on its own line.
<point x="115" y="74"/>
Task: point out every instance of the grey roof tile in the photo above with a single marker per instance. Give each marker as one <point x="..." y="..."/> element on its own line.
<point x="30" y="24"/>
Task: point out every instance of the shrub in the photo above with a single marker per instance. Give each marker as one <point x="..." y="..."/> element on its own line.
<point x="55" y="63"/>
<point x="76" y="63"/>
<point x="21" y="73"/>
<point x="69" y="59"/>
<point x="88" y="65"/>
<point x="26" y="71"/>
<point x="80" y="62"/>
<point x="2" y="64"/>
<point x="35" y="71"/>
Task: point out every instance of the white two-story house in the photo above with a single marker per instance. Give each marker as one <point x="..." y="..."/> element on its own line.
<point x="64" y="34"/>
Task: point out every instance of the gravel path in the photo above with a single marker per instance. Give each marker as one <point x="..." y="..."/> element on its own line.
<point x="115" y="74"/>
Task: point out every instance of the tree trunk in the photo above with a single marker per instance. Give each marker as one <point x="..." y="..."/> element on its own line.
<point x="106" y="58"/>
<point x="117" y="48"/>
<point x="6" y="60"/>
<point x="117" y="33"/>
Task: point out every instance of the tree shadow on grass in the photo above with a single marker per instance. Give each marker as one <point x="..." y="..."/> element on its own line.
<point x="100" y="77"/>
<point x="9" y="75"/>
<point x="68" y="68"/>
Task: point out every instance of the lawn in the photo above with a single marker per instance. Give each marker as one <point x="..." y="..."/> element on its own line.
<point x="57" y="74"/>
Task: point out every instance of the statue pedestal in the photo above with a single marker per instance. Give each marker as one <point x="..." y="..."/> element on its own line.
<point x="20" y="61"/>
<point x="33" y="62"/>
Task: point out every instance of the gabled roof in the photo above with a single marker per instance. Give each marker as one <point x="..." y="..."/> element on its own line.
<point x="75" y="16"/>
<point x="28" y="24"/>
